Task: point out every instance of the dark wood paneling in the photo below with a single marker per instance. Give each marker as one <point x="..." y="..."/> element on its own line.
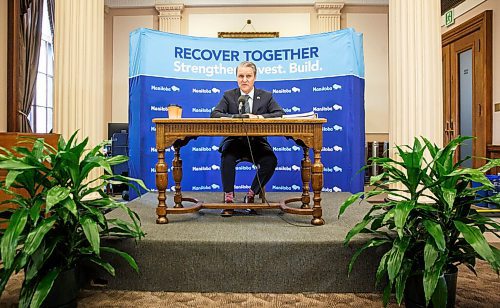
<point x="493" y="151"/>
<point x="9" y="140"/>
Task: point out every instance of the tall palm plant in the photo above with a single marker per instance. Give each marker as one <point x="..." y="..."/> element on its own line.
<point x="427" y="221"/>
<point x="57" y="222"/>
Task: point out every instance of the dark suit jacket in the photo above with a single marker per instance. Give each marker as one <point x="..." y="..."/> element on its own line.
<point x="263" y="104"/>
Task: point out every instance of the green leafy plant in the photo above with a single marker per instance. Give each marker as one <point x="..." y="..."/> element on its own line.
<point x="59" y="214"/>
<point x="427" y="221"/>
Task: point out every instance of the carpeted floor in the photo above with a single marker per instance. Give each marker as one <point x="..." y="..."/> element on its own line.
<point x="473" y="292"/>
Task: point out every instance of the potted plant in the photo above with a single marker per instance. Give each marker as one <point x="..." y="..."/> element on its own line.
<point x="426" y="222"/>
<point x="59" y="217"/>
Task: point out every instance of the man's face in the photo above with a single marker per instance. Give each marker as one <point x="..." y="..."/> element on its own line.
<point x="246" y="79"/>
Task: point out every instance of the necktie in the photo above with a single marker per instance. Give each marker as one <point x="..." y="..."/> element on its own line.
<point x="247" y="104"/>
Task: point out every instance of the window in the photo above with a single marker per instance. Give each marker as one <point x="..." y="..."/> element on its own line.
<point x="43" y="104"/>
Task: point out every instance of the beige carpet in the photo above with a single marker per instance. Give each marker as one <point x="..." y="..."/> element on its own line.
<point x="481" y="291"/>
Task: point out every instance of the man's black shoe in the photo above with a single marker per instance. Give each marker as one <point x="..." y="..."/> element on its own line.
<point x="227" y="213"/>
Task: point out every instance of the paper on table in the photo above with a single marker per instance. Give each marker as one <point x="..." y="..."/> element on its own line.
<point x="309" y="114"/>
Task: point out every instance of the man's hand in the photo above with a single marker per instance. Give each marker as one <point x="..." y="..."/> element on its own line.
<point x="255" y="116"/>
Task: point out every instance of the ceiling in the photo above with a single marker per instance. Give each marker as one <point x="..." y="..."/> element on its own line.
<point x="191" y="3"/>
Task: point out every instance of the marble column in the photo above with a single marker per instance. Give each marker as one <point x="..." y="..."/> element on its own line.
<point x="78" y="69"/>
<point x="78" y="72"/>
<point x="169" y="17"/>
<point x="328" y="15"/>
<point x="415" y="72"/>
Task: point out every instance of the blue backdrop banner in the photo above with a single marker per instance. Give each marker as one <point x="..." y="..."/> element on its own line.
<point x="323" y="73"/>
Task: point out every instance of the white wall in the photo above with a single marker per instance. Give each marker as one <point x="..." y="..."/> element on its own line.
<point x="208" y="25"/>
<point x="122" y="26"/>
<point x="375" y="29"/>
<point x="3" y="65"/>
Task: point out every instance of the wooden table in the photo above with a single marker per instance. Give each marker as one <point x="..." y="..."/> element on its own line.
<point x="307" y="133"/>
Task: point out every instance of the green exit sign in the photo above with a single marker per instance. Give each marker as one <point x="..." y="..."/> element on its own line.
<point x="449" y="18"/>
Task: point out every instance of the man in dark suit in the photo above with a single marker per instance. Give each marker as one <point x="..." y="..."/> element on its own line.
<point x="254" y="103"/>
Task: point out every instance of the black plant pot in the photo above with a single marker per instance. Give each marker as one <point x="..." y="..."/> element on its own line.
<point x="64" y="292"/>
<point x="414" y="290"/>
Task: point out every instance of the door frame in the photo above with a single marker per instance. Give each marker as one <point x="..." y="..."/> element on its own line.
<point x="480" y="25"/>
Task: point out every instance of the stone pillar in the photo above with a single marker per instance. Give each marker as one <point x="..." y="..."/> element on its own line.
<point x="415" y="72"/>
<point x="169" y="17"/>
<point x="78" y="69"/>
<point x="328" y="15"/>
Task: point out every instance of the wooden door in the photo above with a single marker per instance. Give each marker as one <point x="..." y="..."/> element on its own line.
<point x="467" y="87"/>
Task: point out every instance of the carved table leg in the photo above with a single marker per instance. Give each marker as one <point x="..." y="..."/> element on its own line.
<point x="306" y="178"/>
<point x="177" y="174"/>
<point x="161" y="184"/>
<point x="317" y="185"/>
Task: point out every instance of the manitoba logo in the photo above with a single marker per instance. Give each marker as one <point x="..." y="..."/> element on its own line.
<point x="333" y="87"/>
<point x="205" y="187"/>
<point x="328" y="108"/>
<point x="206" y="91"/>
<point x="201" y="149"/>
<point x="159" y="108"/>
<point x="165" y="88"/>
<point x="293" y="109"/>
<point x="201" y="110"/>
<point x="286" y="91"/>
<point x="242" y="186"/>
<point x="332" y="189"/>
<point x="154" y="150"/>
<point x="201" y="168"/>
<point x="244" y="167"/>
<point x="282" y="91"/>
<point x="281" y="187"/>
<point x="332" y="128"/>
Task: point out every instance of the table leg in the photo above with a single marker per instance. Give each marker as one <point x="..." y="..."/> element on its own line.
<point x="161" y="184"/>
<point x="306" y="178"/>
<point x="317" y="185"/>
<point x="177" y="175"/>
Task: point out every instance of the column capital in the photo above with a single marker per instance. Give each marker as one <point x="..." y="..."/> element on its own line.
<point x="169" y="9"/>
<point x="328" y="15"/>
<point x="169" y="16"/>
<point x="328" y="8"/>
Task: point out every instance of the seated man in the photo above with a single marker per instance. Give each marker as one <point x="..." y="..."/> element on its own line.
<point x="255" y="103"/>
